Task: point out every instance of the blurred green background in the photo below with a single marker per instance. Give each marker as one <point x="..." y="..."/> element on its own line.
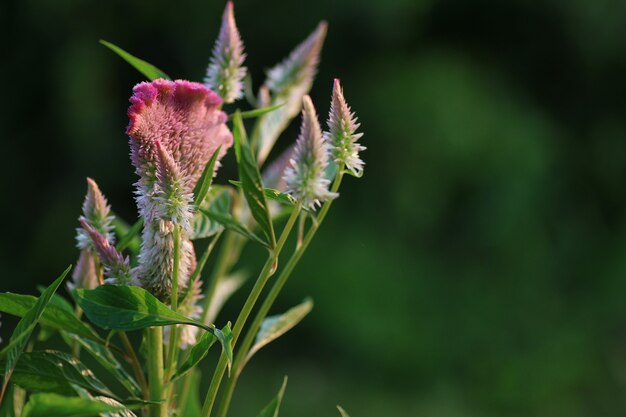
<point x="478" y="267"/>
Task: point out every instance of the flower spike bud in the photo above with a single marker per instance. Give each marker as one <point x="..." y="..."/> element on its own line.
<point x="84" y="274"/>
<point x="97" y="213"/>
<point x="116" y="268"/>
<point x="300" y="67"/>
<point x="173" y="202"/>
<point x="341" y="136"/>
<point x="288" y="82"/>
<point x="305" y="177"/>
<point x="225" y="73"/>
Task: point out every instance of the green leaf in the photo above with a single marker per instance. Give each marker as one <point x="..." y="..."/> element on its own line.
<point x="271" y="410"/>
<point x="342" y="411"/>
<point x="225" y="288"/>
<point x="54" y="316"/>
<point x="225" y="336"/>
<point x="274" y="327"/>
<point x="140" y="65"/>
<point x="217" y="200"/>
<point x="129" y="308"/>
<point x="204" y="183"/>
<point x="25" y="328"/>
<point x="54" y="371"/>
<point x="196" y="354"/>
<point x="131" y="237"/>
<point x="109" y="362"/>
<point x="272" y="194"/>
<point x="256" y="112"/>
<point x="251" y="183"/>
<point x="229" y="222"/>
<point x="54" y="405"/>
<point x="193" y="407"/>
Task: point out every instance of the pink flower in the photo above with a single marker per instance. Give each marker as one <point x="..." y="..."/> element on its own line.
<point x="175" y="127"/>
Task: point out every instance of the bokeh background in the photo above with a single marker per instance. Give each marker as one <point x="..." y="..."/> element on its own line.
<point x="477" y="269"/>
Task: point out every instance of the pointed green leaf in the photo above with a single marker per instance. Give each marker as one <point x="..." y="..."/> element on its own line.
<point x="251" y="183"/>
<point x="109" y="362"/>
<point x="204" y="183"/>
<point x="230" y="223"/>
<point x="196" y="354"/>
<point x="342" y="411"/>
<point x="54" y="371"/>
<point x="275" y="326"/>
<point x="272" y="194"/>
<point x="25" y="328"/>
<point x="133" y="308"/>
<point x="226" y="287"/>
<point x="257" y="112"/>
<point x="54" y="316"/>
<point x="271" y="410"/>
<point x="131" y="239"/>
<point x="193" y="407"/>
<point x="54" y="405"/>
<point x="140" y="65"/>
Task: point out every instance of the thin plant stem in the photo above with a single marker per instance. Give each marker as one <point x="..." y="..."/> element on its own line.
<point x="155" y="371"/>
<point x="171" y="355"/>
<point x="238" y="362"/>
<point x="266" y="272"/>
<point x="135" y="364"/>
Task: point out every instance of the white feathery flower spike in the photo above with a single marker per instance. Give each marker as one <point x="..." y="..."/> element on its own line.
<point x="341" y="136"/>
<point x="305" y="177"/>
<point x="226" y="72"/>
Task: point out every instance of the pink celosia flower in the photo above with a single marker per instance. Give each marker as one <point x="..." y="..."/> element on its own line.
<point x="342" y="136"/>
<point x="225" y="73"/>
<point x="305" y="177"/>
<point x="116" y="268"/>
<point x="175" y="127"/>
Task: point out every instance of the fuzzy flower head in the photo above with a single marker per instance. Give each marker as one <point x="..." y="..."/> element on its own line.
<point x="225" y="73"/>
<point x="185" y="118"/>
<point x="97" y="214"/>
<point x="305" y="176"/>
<point x="116" y="268"/>
<point x="341" y="136"/>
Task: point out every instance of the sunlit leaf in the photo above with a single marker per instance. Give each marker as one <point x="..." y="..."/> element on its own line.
<point x="218" y="200"/>
<point x="25" y="328"/>
<point x="271" y="410"/>
<point x="140" y="65"/>
<point x="54" y="371"/>
<point x="196" y="354"/>
<point x="257" y="112"/>
<point x="342" y="411"/>
<point x="54" y="316"/>
<point x="251" y="183"/>
<point x="274" y="327"/>
<point x="54" y="405"/>
<point x="204" y="183"/>
<point x="230" y="223"/>
<point x="274" y="195"/>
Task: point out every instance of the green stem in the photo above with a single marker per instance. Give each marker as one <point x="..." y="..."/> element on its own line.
<point x="266" y="272"/>
<point x="171" y="355"/>
<point x="238" y="362"/>
<point x="155" y="371"/>
<point x="135" y="364"/>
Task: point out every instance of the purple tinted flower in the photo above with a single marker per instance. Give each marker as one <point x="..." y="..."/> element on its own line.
<point x="225" y="73"/>
<point x="116" y="267"/>
<point x="96" y="212"/>
<point x="305" y="177"/>
<point x="342" y="136"/>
